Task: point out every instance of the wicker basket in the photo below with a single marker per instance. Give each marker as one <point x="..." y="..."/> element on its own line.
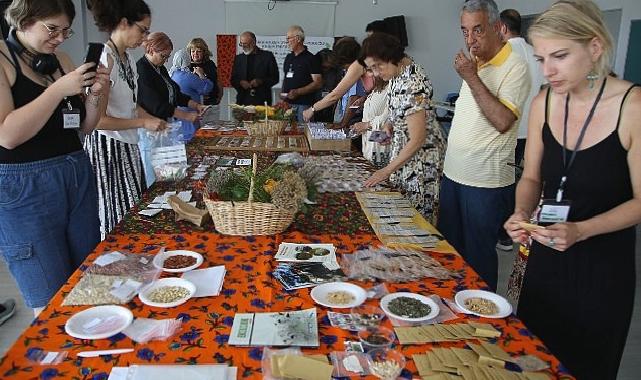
<point x="263" y="128"/>
<point x="248" y="218"/>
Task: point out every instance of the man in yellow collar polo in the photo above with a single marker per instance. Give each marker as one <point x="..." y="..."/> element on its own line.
<point x="478" y="182"/>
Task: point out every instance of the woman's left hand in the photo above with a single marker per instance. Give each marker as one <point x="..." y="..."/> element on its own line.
<point x="559" y="236"/>
<point x="101" y="81"/>
<point x="379" y="176"/>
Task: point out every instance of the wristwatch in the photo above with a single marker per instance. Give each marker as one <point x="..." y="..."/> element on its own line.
<point x="312" y="108"/>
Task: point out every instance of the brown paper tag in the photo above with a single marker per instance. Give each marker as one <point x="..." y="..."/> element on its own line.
<point x="485" y="330"/>
<point x="301" y="367"/>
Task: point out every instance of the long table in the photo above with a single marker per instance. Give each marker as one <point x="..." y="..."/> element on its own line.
<point x="248" y="287"/>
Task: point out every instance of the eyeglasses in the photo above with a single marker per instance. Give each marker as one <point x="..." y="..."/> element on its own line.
<point x="242" y="45"/>
<point x="165" y="56"/>
<point x="291" y="37"/>
<point x="143" y="29"/>
<point x="55" y="31"/>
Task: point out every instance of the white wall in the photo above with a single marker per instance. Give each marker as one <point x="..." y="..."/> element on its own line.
<point x="630" y="10"/>
<point x="432" y="27"/>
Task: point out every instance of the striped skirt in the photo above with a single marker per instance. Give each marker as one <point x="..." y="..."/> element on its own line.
<point x="119" y="177"/>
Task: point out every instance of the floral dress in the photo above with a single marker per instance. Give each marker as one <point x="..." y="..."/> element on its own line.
<point x="420" y="177"/>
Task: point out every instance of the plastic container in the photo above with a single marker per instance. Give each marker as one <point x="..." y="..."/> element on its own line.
<point x="367" y="316"/>
<point x="385" y="363"/>
<point x="376" y="337"/>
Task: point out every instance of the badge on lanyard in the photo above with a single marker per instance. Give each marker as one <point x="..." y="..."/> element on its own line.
<point x="70" y="117"/>
<point x="554" y="212"/>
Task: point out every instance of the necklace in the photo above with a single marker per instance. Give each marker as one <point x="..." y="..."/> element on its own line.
<point x="125" y="70"/>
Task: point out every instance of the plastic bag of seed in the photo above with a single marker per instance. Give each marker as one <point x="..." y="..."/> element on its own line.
<point x="113" y="278"/>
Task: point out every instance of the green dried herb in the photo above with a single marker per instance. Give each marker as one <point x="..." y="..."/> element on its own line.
<point x="408" y="307"/>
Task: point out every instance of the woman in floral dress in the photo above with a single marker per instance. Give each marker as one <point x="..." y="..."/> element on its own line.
<point x="417" y="141"/>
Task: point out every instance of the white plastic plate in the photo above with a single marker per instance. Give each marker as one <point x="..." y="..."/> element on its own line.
<point x="86" y="324"/>
<point x="321" y="293"/>
<point x="173" y="281"/>
<point x="435" y="310"/>
<point x="505" y="308"/>
<point x="160" y="258"/>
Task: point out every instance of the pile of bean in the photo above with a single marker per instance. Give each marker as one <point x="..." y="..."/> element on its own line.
<point x="178" y="262"/>
<point x="168" y="294"/>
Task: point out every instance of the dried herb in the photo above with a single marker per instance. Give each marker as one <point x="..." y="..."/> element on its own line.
<point x="377" y="340"/>
<point x="408" y="307"/>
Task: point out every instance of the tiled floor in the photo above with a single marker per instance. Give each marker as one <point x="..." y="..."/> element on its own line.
<point x="630" y="366"/>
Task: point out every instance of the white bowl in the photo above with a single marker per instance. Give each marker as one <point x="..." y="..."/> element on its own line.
<point x="434" y="308"/>
<point x="504" y="306"/>
<point x="82" y="325"/>
<point x="321" y="292"/>
<point x="173" y="281"/>
<point x="160" y="258"/>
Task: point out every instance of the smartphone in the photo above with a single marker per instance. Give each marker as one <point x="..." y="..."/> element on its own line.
<point x="94" y="51"/>
<point x="378" y="136"/>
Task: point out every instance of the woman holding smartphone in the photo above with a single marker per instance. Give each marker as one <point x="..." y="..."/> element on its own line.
<point x="113" y="147"/>
<point x="48" y="216"/>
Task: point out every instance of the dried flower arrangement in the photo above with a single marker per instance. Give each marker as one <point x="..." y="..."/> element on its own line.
<point x="280" y="185"/>
<point x="280" y="111"/>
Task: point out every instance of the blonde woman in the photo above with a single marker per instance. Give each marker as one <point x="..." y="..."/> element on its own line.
<point x="201" y="58"/>
<point x="582" y="156"/>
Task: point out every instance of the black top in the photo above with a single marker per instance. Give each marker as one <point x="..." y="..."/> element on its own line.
<point x="211" y="72"/>
<point x="158" y="94"/>
<point x="302" y="66"/>
<point x="260" y="64"/>
<point x="52" y="140"/>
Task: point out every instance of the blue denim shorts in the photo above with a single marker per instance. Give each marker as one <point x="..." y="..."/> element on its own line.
<point x="48" y="222"/>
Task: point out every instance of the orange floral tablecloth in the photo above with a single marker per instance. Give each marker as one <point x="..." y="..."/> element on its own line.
<point x="248" y="287"/>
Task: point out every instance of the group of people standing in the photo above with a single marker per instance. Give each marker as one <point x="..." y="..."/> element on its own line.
<point x="70" y="167"/>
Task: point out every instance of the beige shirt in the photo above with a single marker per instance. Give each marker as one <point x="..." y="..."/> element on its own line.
<point x="477" y="154"/>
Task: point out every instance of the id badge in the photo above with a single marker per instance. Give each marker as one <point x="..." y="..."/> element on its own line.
<point x="290" y="74"/>
<point x="71" y="118"/>
<point x="554" y="212"/>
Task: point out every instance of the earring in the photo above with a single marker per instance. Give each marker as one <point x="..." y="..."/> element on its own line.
<point x="592" y="78"/>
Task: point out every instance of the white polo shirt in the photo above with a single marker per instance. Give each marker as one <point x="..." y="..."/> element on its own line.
<point x="477" y="154"/>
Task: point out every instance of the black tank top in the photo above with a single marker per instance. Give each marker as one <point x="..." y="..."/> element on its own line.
<point x="52" y="140"/>
<point x="599" y="179"/>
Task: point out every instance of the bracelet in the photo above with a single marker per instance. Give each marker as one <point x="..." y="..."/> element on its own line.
<point x="312" y="108"/>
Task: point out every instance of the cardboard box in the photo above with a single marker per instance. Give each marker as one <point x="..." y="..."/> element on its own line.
<point x="344" y="145"/>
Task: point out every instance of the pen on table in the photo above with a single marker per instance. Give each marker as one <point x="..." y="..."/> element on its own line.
<point x="93" y="354"/>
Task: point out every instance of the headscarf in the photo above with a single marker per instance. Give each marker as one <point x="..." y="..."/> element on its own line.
<point x="181" y="61"/>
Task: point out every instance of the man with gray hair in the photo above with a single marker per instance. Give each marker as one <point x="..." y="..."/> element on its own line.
<point x="302" y="73"/>
<point x="478" y="182"/>
<point x="254" y="73"/>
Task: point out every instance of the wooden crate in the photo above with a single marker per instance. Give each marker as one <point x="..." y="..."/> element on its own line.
<point x="344" y="145"/>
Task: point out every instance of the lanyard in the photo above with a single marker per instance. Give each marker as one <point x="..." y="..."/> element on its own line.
<point x="568" y="164"/>
<point x="128" y="74"/>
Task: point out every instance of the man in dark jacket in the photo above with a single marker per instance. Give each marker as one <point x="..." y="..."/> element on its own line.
<point x="254" y="72"/>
